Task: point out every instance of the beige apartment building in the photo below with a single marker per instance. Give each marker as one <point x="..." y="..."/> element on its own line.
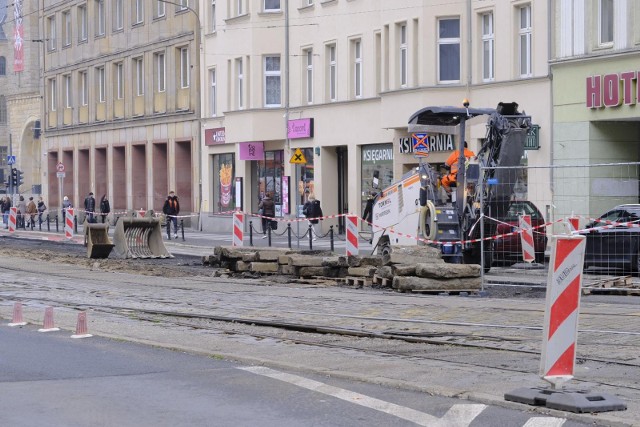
<point x="596" y="94"/>
<point x="121" y="102"/>
<point x="20" y="84"/>
<point x="339" y="79"/>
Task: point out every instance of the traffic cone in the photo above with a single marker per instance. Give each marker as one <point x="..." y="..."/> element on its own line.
<point x="81" y="326"/>
<point x="17" y="315"/>
<point x="48" y="321"/>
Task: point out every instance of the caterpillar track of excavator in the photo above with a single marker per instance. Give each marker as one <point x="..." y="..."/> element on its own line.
<point x="414" y="206"/>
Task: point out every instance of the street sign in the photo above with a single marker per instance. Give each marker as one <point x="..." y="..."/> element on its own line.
<point x="298" y="158"/>
<point x="11" y="160"/>
<point x="61" y="174"/>
<point x="60" y="167"/>
<point x="420" y="142"/>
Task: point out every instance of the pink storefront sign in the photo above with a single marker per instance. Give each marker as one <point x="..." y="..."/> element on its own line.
<point x="251" y="150"/>
<point x="300" y="128"/>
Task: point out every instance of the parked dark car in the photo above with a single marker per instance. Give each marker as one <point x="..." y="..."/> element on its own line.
<point x="616" y="247"/>
<point x="508" y="250"/>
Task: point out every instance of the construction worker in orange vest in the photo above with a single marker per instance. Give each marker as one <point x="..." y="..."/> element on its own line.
<point x="452" y="164"/>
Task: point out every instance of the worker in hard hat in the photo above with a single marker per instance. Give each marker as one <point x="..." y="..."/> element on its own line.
<point x="449" y="180"/>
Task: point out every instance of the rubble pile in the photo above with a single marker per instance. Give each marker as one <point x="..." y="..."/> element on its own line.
<point x="416" y="268"/>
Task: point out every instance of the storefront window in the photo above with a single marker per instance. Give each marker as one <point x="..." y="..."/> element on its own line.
<point x="270" y="171"/>
<point x="377" y="168"/>
<point x="223" y="180"/>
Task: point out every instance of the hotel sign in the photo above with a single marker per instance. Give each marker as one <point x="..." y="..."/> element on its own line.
<point x="612" y="90"/>
<point x="214" y="136"/>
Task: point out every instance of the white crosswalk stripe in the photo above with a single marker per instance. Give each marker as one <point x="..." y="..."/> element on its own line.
<point x="458" y="415"/>
<point x="544" y="422"/>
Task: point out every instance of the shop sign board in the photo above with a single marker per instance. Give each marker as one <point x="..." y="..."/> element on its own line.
<point x="435" y="142"/>
<point x="612" y="90"/>
<point x="532" y="142"/>
<point x="251" y="150"/>
<point x="300" y="128"/>
<point x="377" y="154"/>
<point x="214" y="136"/>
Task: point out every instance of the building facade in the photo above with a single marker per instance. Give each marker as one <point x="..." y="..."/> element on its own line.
<point x="121" y="102"/>
<point x="339" y="79"/>
<point x="20" y="100"/>
<point x="595" y="96"/>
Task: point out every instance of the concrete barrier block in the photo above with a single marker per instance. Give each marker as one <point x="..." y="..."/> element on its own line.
<point x="447" y="271"/>
<point x="425" y="284"/>
<point x="250" y="257"/>
<point x="242" y="266"/>
<point x="316" y="271"/>
<point x="305" y="261"/>
<point x="367" y="271"/>
<point x="264" y="267"/>
<point x="404" y="270"/>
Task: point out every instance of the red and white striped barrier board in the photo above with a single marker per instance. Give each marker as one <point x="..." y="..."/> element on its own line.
<point x="238" y="228"/>
<point x="352" y="235"/>
<point x="68" y="224"/>
<point x="526" y="238"/>
<point x="141" y="213"/>
<point x="573" y="223"/>
<point x="13" y="217"/>
<point x="562" y="307"/>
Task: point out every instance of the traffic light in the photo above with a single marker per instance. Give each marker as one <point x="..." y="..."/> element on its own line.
<point x="14" y="177"/>
<point x="19" y="178"/>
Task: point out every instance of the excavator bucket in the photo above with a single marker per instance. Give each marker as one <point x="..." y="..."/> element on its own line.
<point x="97" y="241"/>
<point x="139" y="238"/>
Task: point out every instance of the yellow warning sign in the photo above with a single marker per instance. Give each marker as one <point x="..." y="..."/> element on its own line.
<point x="298" y="158"/>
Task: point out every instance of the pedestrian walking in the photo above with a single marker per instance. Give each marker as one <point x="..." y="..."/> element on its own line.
<point x="42" y="207"/>
<point x="21" y="208"/>
<point x="31" y="212"/>
<point x="313" y="211"/>
<point x="6" y="208"/>
<point x="367" y="215"/>
<point x="171" y="209"/>
<point x="268" y="211"/>
<point x="90" y="207"/>
<point x="105" y="207"/>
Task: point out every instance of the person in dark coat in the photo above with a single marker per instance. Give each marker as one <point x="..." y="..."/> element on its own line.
<point x="90" y="206"/>
<point x="171" y="209"/>
<point x="42" y="207"/>
<point x="105" y="207"/>
<point x="312" y="210"/>
<point x="367" y="215"/>
<point x="268" y="209"/>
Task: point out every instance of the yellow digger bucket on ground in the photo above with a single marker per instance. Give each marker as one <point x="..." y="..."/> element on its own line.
<point x="97" y="241"/>
<point x="139" y="238"/>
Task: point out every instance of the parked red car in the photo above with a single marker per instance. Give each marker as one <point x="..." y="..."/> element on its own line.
<point x="508" y="250"/>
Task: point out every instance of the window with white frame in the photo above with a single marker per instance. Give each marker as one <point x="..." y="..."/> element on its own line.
<point x="182" y="5"/>
<point x="138" y="69"/>
<point x="53" y="95"/>
<point x="118" y="15"/>
<point x="161" y="68"/>
<point x="309" y="75"/>
<point x="271" y="5"/>
<point x="66" y="29"/>
<point x="212" y="16"/>
<point x="184" y="67"/>
<point x="404" y="66"/>
<point x="524" y="44"/>
<point x="138" y="12"/>
<point x="160" y="9"/>
<point x="448" y="50"/>
<point x="82" y="23"/>
<point x="213" y="92"/>
<point x="68" y="92"/>
<point x="357" y="68"/>
<point x="240" y="84"/>
<point x="119" y="77"/>
<point x="605" y="22"/>
<point x="83" y="89"/>
<point x="51" y="33"/>
<point x="272" y="86"/>
<point x="488" y="40"/>
<point x="100" y="18"/>
<point x="332" y="71"/>
<point x="101" y="83"/>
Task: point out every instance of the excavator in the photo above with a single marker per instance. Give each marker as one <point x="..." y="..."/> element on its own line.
<point x="458" y="223"/>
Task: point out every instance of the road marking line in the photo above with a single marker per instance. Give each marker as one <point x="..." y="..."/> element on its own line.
<point x="544" y="422"/>
<point x="458" y="415"/>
